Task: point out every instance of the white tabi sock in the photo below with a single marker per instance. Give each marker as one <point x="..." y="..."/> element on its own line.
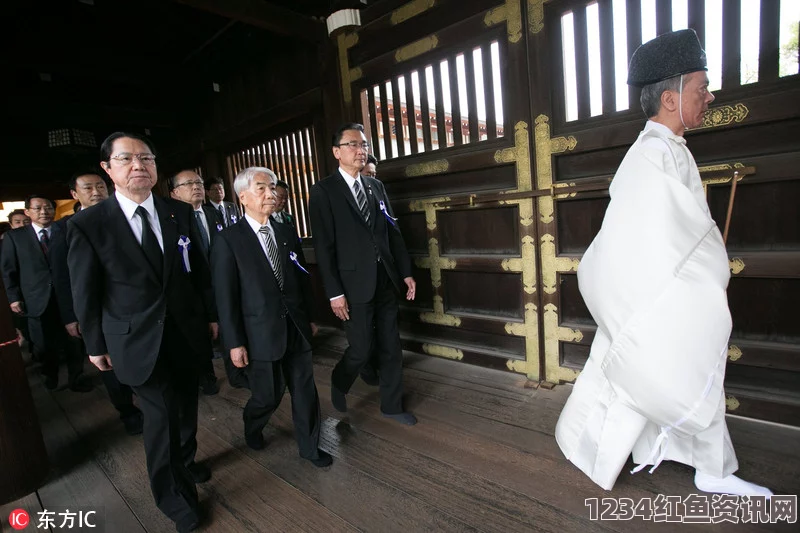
<point x="729" y="485"/>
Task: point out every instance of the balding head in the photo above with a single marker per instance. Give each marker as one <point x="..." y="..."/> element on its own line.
<point x="187" y="186"/>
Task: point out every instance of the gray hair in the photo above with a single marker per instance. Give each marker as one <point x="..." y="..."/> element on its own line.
<point x="245" y="178"/>
<point x="651" y="94"/>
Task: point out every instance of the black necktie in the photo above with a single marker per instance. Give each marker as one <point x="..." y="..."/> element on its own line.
<point x="272" y="252"/>
<point x="361" y="198"/>
<point x="44" y="241"/>
<point x="150" y="244"/>
<point x="204" y="239"/>
<point x="221" y="209"/>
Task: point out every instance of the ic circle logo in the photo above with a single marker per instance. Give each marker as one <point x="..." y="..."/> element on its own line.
<point x="19" y="519"/>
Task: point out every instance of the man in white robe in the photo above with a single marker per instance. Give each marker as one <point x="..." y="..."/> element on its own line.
<point x="653" y="384"/>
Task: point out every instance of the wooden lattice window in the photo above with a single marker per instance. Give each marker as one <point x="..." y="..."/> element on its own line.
<point x="746" y="42"/>
<point x="293" y="158"/>
<point x="454" y="100"/>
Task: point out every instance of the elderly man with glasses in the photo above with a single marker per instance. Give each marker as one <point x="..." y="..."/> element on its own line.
<point x="144" y="300"/>
<point x="187" y="186"/>
<point x="28" y="277"/>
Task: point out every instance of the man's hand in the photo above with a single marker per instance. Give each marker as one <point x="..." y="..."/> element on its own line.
<point x="16" y="307"/>
<point x="73" y="329"/>
<point x="412" y="288"/>
<point x="239" y="357"/>
<point x="103" y="362"/>
<point x="213" y="330"/>
<point x="314" y="329"/>
<point x="340" y="308"/>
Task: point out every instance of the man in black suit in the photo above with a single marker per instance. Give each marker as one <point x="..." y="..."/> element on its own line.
<point x="89" y="189"/>
<point x="264" y="300"/>
<point x="215" y="191"/>
<point x="369" y="373"/>
<point x="281" y="214"/>
<point x="364" y="265"/>
<point x="28" y="277"/>
<point x="17" y="219"/>
<point x="187" y="186"/>
<point x="142" y="294"/>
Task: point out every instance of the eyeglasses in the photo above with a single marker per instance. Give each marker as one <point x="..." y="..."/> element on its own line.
<point x="41" y="208"/>
<point x="355" y="145"/>
<point x="196" y="183"/>
<point x="126" y="159"/>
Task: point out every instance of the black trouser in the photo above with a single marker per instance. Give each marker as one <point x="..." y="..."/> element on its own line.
<point x="168" y="400"/>
<point x="373" y="325"/>
<point x="50" y="338"/>
<point x="268" y="379"/>
<point x="207" y="366"/>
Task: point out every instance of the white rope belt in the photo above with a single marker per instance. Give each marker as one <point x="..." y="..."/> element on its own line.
<point x="660" y="447"/>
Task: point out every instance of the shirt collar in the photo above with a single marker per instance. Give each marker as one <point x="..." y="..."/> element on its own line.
<point x="350" y="179"/>
<point x="663" y="130"/>
<point x="255" y="224"/>
<point x="128" y="206"/>
<point x="216" y="206"/>
<point x="37" y="228"/>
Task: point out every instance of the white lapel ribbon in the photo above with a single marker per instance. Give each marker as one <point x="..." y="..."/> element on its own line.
<point x="293" y="258"/>
<point x="390" y="218"/>
<point x="183" y="245"/>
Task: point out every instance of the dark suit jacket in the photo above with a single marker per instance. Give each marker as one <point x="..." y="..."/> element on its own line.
<point x="347" y="247"/>
<point x="251" y="306"/>
<point x="214" y="221"/>
<point x="26" y="269"/>
<point x="286" y="216"/>
<point x="121" y="304"/>
<point x="232" y="214"/>
<point x="60" y="269"/>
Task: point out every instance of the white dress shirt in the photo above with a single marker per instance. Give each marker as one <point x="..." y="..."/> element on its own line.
<point x="37" y="228"/>
<point x="204" y="221"/>
<point x="220" y="209"/>
<point x="256" y="226"/>
<point x="128" y="207"/>
<point x="351" y="181"/>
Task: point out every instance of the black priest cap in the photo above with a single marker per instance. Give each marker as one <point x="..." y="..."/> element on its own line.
<point x="668" y="55"/>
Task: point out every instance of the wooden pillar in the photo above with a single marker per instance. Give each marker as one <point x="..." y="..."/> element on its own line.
<point x="23" y="458"/>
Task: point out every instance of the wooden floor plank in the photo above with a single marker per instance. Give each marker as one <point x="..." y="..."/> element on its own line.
<point x="255" y="498"/>
<point x="482" y="458"/>
<point x="367" y="502"/>
<point x="28" y="503"/>
<point x="76" y="478"/>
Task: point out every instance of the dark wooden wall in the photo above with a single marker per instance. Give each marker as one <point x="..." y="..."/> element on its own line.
<point x="497" y="227"/>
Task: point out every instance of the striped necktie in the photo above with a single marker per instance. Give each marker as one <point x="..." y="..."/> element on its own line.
<point x="272" y="253"/>
<point x="361" y="198"/>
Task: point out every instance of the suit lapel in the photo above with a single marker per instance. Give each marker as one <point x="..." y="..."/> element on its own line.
<point x="252" y="243"/>
<point x="372" y="201"/>
<point x="36" y="246"/>
<point x="341" y="185"/>
<point x="121" y="228"/>
<point x="283" y="250"/>
<point x="169" y="233"/>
